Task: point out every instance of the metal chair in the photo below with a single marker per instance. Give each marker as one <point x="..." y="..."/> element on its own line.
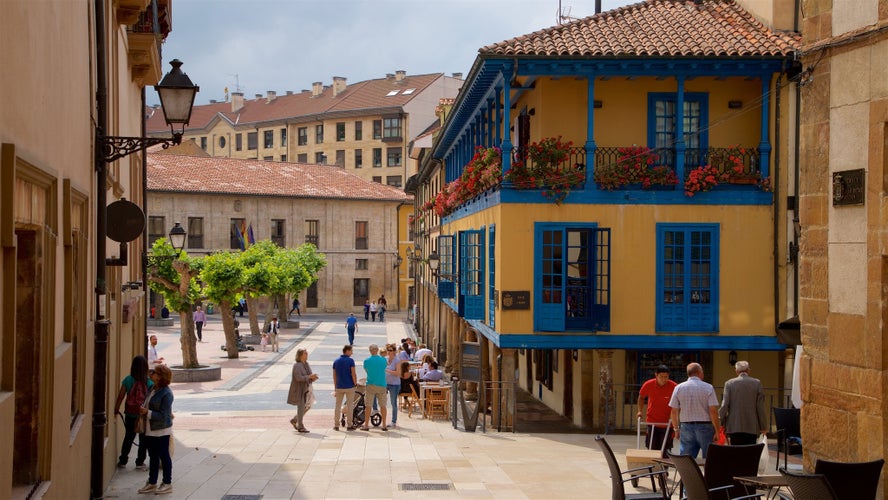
<point x="694" y="485"/>
<point x="852" y="480"/>
<point x="724" y="463"/>
<point x="809" y="486"/>
<point x="618" y="483"/>
<point x="788" y="422"/>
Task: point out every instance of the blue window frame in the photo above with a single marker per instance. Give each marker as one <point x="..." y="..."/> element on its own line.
<point x="687" y="277"/>
<point x="491" y="275"/>
<point x="446" y="267"/>
<point x="471" y="273"/>
<point x="572" y="277"/>
<point x="662" y="111"/>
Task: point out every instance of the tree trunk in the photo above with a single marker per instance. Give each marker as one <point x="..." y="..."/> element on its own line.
<point x="187" y="339"/>
<point x="229" y="329"/>
<point x="254" y="318"/>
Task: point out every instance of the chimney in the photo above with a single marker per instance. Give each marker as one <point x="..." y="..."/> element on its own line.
<point x="457" y="75"/>
<point x="237" y="101"/>
<point x="339" y="85"/>
<point x="289" y="92"/>
<point x="389" y="76"/>
<point x="399" y="75"/>
<point x="270" y="95"/>
<point x="258" y="96"/>
<point x="317" y="88"/>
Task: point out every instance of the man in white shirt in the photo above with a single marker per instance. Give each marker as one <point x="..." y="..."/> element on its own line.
<point x="434" y="374"/>
<point x="694" y="413"/>
<point x="273" y="329"/>
<point x="420" y="353"/>
<point x="153" y="359"/>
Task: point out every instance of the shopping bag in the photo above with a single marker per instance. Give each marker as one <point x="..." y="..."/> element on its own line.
<point x="722" y="438"/>
<point x="763" y="461"/>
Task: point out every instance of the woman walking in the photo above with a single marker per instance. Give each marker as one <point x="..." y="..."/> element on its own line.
<point x="134" y="388"/>
<point x="301" y="394"/>
<point x="159" y="409"/>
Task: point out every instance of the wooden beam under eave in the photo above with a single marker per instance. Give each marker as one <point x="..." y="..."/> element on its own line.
<point x="127" y="11"/>
<point x="144" y="58"/>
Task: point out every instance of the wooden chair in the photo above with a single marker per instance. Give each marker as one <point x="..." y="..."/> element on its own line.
<point x="788" y="422"/>
<point x="724" y="463"/>
<point x="437" y="402"/>
<point x="695" y="485"/>
<point x="414" y="401"/>
<point x="809" y="486"/>
<point x="852" y="480"/>
<point x="618" y="483"/>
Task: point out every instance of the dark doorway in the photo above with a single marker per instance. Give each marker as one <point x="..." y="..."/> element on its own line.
<point x="311" y="296"/>
<point x="568" y="383"/>
<point x="26" y="434"/>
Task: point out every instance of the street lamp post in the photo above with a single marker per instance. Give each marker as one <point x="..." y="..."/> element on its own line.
<point x="177" y="97"/>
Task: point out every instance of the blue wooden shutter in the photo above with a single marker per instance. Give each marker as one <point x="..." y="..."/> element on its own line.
<point x="601" y="292"/>
<point x="472" y="257"/>
<point x="549" y="253"/>
<point x="491" y="278"/>
<point x="446" y="288"/>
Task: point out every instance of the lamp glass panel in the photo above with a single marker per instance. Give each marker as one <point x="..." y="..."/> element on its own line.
<point x="177" y="103"/>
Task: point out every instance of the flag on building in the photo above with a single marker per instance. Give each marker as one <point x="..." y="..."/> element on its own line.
<point x="250" y="237"/>
<point x="243" y="234"/>
<point x="235" y="232"/>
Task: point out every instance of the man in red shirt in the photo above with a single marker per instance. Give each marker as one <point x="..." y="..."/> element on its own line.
<point x="658" y="392"/>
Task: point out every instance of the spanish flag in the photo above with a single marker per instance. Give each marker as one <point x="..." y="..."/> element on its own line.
<point x="243" y="235"/>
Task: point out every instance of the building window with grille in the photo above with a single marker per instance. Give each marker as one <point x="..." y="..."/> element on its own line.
<point x="377" y="178"/>
<point x="377" y="157"/>
<point x="239" y="142"/>
<point x="268" y="158"/>
<point x="361" y="264"/>
<point x="361" y="291"/>
<point x="283" y="157"/>
<point x="236" y="240"/>
<point x="320" y="158"/>
<point x="394" y="157"/>
<point x="283" y="137"/>
<point x="156" y="229"/>
<point x="377" y="129"/>
<point x="302" y="136"/>
<point x="340" y="131"/>
<point x="359" y="130"/>
<point x="268" y="137"/>
<point x="252" y="140"/>
<point x="359" y="158"/>
<point x="393" y="180"/>
<point x="340" y="157"/>
<point x="203" y="143"/>
<point x="277" y="232"/>
<point x="319" y="134"/>
<point x="391" y="129"/>
<point x="311" y="231"/>
<point x="195" y="232"/>
<point x="361" y="235"/>
<point x="302" y="158"/>
<point x="687" y="277"/>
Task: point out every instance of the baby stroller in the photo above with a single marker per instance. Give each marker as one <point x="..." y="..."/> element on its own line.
<point x="360" y="411"/>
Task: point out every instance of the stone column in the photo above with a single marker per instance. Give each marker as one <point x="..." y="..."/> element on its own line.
<point x="606" y="402"/>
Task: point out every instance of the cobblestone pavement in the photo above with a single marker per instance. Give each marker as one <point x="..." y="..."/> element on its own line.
<point x="233" y="437"/>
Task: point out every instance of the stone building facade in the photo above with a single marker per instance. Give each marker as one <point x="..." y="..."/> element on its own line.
<point x="359" y="225"/>
<point x="843" y="264"/>
<point x="364" y="127"/>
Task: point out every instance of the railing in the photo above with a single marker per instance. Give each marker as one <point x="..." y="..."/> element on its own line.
<point x="312" y="238"/>
<point x="620" y="412"/>
<point x="722" y="158"/>
<point x="576" y="157"/>
<point x="501" y="398"/>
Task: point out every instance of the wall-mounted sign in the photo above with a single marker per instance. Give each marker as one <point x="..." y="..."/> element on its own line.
<point x="470" y="364"/>
<point x="849" y="187"/>
<point x="516" y="300"/>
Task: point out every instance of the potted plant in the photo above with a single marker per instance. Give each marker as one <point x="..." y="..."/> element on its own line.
<point x="546" y="164"/>
<point x="635" y="165"/>
<point x="701" y="179"/>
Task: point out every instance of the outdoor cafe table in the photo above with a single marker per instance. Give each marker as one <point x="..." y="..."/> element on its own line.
<point x="772" y="483"/>
<point x="425" y="387"/>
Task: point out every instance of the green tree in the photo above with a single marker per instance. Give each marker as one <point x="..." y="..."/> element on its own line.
<point x="223" y="278"/>
<point x="174" y="277"/>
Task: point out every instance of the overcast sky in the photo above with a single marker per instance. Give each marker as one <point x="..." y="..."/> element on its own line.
<point x="281" y="45"/>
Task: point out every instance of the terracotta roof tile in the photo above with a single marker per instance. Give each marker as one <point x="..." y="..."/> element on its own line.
<point x="658" y="28"/>
<point x="207" y="175"/>
<point x="365" y="95"/>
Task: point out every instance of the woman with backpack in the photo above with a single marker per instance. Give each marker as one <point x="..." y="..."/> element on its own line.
<point x="134" y="388"/>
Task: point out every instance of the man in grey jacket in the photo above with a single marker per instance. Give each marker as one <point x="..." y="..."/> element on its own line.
<point x="742" y="411"/>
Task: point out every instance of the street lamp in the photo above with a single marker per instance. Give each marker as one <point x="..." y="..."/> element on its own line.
<point x="176" y="93"/>
<point x="434" y="262"/>
<point x="177" y="241"/>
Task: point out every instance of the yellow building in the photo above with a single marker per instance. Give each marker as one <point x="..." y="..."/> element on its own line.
<point x="68" y="331"/>
<point x="364" y="127"/>
<point x="626" y="233"/>
<point x="842" y="221"/>
<point x="359" y="225"/>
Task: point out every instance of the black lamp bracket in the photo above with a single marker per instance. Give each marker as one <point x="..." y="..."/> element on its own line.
<point x="112" y="148"/>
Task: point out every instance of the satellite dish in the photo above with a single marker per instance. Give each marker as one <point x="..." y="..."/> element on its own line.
<point x="126" y="221"/>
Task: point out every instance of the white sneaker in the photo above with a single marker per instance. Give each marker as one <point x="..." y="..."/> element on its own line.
<point x="164" y="489"/>
<point x="141" y="466"/>
<point x="148" y="488"/>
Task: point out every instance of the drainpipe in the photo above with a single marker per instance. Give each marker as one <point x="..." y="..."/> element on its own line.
<point x="99" y="417"/>
<point x="145" y="288"/>
<point x="775" y="188"/>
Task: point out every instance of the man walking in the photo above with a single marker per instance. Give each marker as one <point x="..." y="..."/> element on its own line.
<point x="742" y="411"/>
<point x="658" y="391"/>
<point x="200" y="318"/>
<point x="351" y="326"/>
<point x="153" y="358"/>
<point x="694" y="413"/>
<point x="344" y="381"/>
<point x="272" y="330"/>
<point x="295" y="307"/>
<point x="375" y="367"/>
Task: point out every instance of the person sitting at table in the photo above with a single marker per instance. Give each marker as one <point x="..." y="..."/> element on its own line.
<point x="426" y="364"/>
<point x="405" y="354"/>
<point x="434" y="374"/>
<point x="407" y="378"/>
<point x="421" y="352"/>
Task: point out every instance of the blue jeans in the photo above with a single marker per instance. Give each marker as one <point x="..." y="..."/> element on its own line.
<point x="393" y="390"/>
<point x="694" y="438"/>
<point x="129" y="436"/>
<point x="159" y="453"/>
<point x="351" y="336"/>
